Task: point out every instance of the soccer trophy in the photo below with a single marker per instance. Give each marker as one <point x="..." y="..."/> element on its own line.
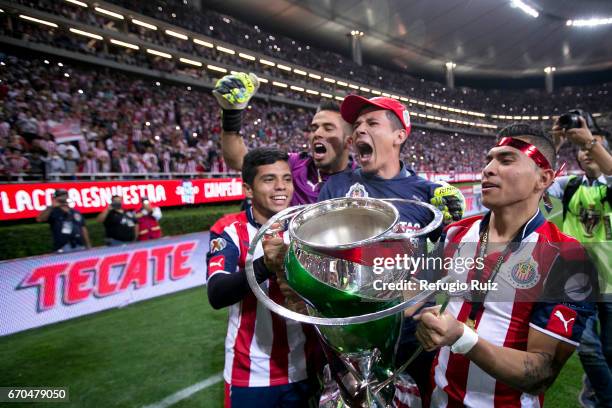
<point x="331" y="264"/>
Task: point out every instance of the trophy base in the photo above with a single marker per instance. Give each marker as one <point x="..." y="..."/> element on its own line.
<point x="401" y="393"/>
<point x="364" y="380"/>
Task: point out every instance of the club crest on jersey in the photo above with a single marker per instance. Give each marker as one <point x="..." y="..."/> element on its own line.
<point x="357" y="190"/>
<point x="217" y="244"/>
<point x="524" y="275"/>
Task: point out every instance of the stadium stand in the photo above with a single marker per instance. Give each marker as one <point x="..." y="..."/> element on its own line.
<point x="269" y="123"/>
<point x="231" y="31"/>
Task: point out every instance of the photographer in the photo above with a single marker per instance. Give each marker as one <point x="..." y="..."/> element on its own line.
<point x="148" y="221"/>
<point x="587" y="216"/>
<point x="580" y="128"/>
<point x="67" y="225"/>
<point x="119" y="225"/>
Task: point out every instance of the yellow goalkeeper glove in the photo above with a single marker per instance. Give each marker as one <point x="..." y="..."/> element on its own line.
<point x="450" y="201"/>
<point x="233" y="92"/>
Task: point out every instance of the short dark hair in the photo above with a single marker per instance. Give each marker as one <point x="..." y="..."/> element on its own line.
<point x="260" y="157"/>
<point x="533" y="135"/>
<point x="396" y="123"/>
<point x="327" y="105"/>
<point x="60" y="192"/>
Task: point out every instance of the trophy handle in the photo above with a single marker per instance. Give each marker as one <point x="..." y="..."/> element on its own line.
<point x="418" y="351"/>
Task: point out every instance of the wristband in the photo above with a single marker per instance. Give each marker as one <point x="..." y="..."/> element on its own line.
<point x="231" y="120"/>
<point x="466" y="342"/>
<point x="588" y="146"/>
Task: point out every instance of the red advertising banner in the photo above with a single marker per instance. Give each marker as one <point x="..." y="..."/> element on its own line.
<point x="50" y="288"/>
<point x="28" y="200"/>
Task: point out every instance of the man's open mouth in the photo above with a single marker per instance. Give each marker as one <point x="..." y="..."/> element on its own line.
<point x="364" y="150"/>
<point x="319" y="150"/>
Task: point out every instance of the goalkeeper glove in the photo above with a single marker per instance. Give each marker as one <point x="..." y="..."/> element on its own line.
<point x="233" y="93"/>
<point x="450" y="201"/>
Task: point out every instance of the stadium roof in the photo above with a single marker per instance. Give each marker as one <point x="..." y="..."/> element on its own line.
<point x="485" y="38"/>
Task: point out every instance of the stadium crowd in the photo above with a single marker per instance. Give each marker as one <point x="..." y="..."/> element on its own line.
<point x="128" y="125"/>
<point x="255" y="38"/>
<point x="141" y="126"/>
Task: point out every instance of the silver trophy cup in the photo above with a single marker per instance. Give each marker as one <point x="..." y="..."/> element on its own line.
<point x="331" y="264"/>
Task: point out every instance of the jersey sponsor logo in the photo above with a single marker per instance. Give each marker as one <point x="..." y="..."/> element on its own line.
<point x="217" y="244"/>
<point x="524" y="275"/>
<point x="404" y="226"/>
<point x="578" y="287"/>
<point x="357" y="190"/>
<point x="562" y="320"/>
<point x="216" y="263"/>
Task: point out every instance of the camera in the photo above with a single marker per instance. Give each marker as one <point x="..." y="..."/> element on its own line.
<point x="571" y="120"/>
<point x="116" y="205"/>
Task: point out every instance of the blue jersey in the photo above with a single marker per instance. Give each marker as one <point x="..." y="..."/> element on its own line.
<point x="406" y="185"/>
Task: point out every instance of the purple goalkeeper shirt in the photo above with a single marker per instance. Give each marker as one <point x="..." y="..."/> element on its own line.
<point x="306" y="179"/>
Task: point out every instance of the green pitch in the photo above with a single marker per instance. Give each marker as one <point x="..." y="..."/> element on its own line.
<point x="145" y="352"/>
<point x="126" y="357"/>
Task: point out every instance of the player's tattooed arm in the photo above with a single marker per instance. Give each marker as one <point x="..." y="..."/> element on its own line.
<point x="539" y="372"/>
<point x="531" y="371"/>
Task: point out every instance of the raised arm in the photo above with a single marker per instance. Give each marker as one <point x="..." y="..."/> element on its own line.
<point x="233" y="149"/>
<point x="233" y="93"/>
<point x="583" y="138"/>
<point x="44" y="216"/>
<point x="102" y="216"/>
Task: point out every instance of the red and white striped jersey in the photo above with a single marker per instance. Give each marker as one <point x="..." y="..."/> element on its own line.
<point x="537" y="264"/>
<point x="261" y="347"/>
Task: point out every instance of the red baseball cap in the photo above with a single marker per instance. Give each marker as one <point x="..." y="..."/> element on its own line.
<point x="353" y="105"/>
